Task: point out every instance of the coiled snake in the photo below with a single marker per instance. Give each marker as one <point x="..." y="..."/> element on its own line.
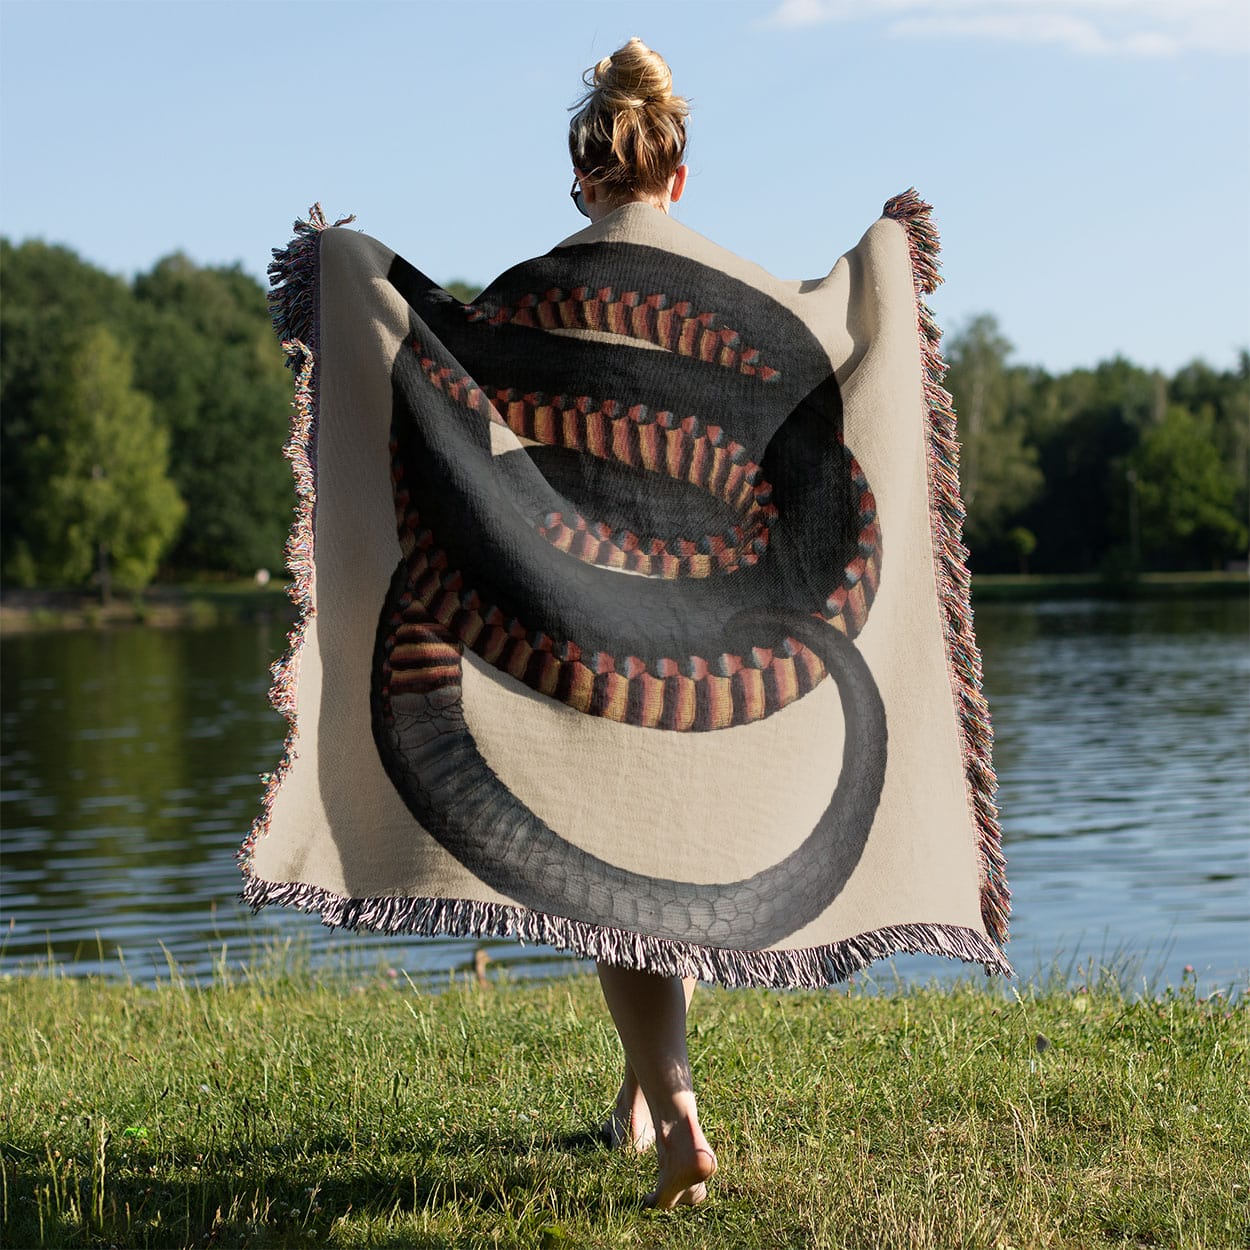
<point x="672" y="535"/>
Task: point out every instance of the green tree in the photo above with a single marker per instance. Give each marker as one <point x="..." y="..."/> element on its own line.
<point x="1222" y="398"/>
<point x="1086" y="424"/>
<point x="51" y="298"/>
<point x="465" y="292"/>
<point x="997" y="467"/>
<point x="207" y="356"/>
<point x="106" y="507"/>
<point x="1186" y="495"/>
<point x="1024" y="543"/>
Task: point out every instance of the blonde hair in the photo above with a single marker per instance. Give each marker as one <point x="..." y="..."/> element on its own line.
<point x="629" y="131"/>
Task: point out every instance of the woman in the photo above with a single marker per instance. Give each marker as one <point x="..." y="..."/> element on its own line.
<point x="628" y="144"/>
<point x="634" y="614"/>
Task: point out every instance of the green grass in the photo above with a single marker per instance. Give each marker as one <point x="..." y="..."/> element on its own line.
<point x="287" y="1109"/>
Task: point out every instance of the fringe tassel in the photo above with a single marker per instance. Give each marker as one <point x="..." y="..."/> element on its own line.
<point x="293" y="304"/>
<point x="954" y="582"/>
<point x="810" y="968"/>
<point x="293" y="280"/>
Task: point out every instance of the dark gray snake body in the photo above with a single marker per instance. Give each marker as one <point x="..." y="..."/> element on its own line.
<point x="436" y="765"/>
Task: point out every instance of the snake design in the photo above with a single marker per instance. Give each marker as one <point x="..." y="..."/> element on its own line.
<point x="621" y="552"/>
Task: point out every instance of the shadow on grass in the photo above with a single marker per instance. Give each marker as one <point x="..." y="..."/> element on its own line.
<point x="254" y="1198"/>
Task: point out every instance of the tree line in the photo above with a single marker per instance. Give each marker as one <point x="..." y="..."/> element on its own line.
<point x="1112" y="470"/>
<point x="143" y="421"/>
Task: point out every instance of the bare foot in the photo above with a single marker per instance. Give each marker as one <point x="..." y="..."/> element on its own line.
<point x="629" y="1125"/>
<point x="686" y="1165"/>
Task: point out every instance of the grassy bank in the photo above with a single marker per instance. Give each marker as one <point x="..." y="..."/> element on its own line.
<point x="1000" y="587"/>
<point x="283" y="1110"/>
<point x="191" y="603"/>
<point x="213" y="603"/>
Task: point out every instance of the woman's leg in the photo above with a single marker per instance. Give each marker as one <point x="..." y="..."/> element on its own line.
<point x="650" y="1015"/>
<point x="629" y="1123"/>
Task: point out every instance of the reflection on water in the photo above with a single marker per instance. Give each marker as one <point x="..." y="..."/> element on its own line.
<point x="1123" y="734"/>
<point x="130" y="762"/>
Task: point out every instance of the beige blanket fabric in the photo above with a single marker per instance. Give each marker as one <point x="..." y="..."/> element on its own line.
<point x="634" y="617"/>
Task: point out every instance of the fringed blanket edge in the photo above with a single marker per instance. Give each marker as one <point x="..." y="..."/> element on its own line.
<point x="293" y="305"/>
<point x="947" y="512"/>
<point x="806" y="968"/>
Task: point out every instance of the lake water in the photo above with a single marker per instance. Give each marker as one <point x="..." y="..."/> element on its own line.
<point x="130" y="762"/>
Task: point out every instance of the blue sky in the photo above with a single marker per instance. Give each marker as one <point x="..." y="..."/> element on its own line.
<point x="1089" y="160"/>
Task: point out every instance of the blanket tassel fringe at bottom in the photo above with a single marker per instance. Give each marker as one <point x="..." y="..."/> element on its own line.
<point x="809" y="968"/>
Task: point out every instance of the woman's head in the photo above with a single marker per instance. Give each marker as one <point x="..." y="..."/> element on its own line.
<point x="629" y="131"/>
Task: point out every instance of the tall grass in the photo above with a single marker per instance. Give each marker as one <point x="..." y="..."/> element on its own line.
<point x="285" y="1108"/>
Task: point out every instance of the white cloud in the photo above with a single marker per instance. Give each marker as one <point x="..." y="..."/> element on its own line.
<point x="1136" y="28"/>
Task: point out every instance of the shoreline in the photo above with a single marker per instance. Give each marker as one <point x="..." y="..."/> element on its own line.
<point x="172" y="606"/>
<point x="1026" y="587"/>
<point x="204" y="604"/>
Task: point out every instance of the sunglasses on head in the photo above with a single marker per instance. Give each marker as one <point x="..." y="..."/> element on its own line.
<point x="576" y="196"/>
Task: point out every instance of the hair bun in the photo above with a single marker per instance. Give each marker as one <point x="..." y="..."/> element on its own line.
<point x="634" y="76"/>
<point x="629" y="129"/>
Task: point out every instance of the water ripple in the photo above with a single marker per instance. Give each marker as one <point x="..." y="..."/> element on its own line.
<point x="131" y="764"/>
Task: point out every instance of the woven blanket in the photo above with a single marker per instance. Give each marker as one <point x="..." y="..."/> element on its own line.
<point x="634" y="618"/>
